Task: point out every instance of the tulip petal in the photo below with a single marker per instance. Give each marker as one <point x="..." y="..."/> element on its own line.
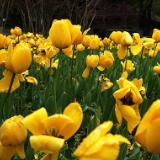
<point x="33" y="121"/>
<point x="86" y="72"/>
<point x="20" y="151"/>
<point x="47" y="144"/>
<point x="153" y="138"/>
<point x="74" y="111"/>
<point x="122" y="52"/>
<point x="130" y="116"/>
<point x="94" y="136"/>
<point x="5" y="82"/>
<point x="56" y="125"/>
<point x="6" y="153"/>
<point x="32" y="80"/>
<point x="119" y="116"/>
<point x="136" y="49"/>
<point x="100" y="68"/>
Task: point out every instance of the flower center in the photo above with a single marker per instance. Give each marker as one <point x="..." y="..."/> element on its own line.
<point x="127" y="99"/>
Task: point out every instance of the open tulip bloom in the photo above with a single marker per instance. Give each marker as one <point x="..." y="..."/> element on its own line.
<point x="49" y="133"/>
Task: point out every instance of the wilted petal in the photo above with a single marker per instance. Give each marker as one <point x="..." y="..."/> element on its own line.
<point x="32" y="80"/>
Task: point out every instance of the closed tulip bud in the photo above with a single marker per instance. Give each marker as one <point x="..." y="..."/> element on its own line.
<point x="126" y="39"/>
<point x="148" y="131"/>
<point x="19" y="59"/>
<point x="13" y="132"/>
<point x="106" y="41"/>
<point x="12" y="137"/>
<point x="80" y="48"/>
<point x="116" y="37"/>
<point x="156" y="69"/>
<point x="106" y="59"/>
<point x="3" y="57"/>
<point x="63" y="33"/>
<point x="2" y="40"/>
<point x="92" y="61"/>
<point x="86" y="41"/>
<point x="94" y="43"/>
<point x="16" y="31"/>
<point x="156" y="35"/>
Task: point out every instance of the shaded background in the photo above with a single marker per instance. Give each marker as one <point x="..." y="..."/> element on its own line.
<point x="102" y="16"/>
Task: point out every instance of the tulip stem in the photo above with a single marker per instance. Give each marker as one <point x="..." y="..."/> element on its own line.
<point x="56" y="79"/>
<point x="72" y="86"/>
<point x="7" y="95"/>
<point x="49" y="76"/>
<point x="126" y="59"/>
<point x="140" y="62"/>
<point x="146" y="155"/>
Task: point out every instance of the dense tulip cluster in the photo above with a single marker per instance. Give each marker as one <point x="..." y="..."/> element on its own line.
<point x="85" y="98"/>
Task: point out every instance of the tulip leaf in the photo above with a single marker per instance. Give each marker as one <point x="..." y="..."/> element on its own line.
<point x="87" y="99"/>
<point x="155" y="157"/>
<point x="49" y="105"/>
<point x="64" y="100"/>
<point x="136" y="154"/>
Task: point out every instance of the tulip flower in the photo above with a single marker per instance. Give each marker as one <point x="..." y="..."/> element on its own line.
<point x="2" y="40"/>
<point x="126" y="40"/>
<point x="63" y="33"/>
<point x="12" y="137"/>
<point x="106" y="60"/>
<point x="128" y="99"/>
<point x="106" y="41"/>
<point x="116" y="37"/>
<point x="99" y="145"/>
<point x="17" y="62"/>
<point x="156" y="35"/>
<point x="129" y="67"/>
<point x="80" y="48"/>
<point x="106" y="84"/>
<point x="94" y="43"/>
<point x="92" y="62"/>
<point x="49" y="133"/>
<point x="3" y="57"/>
<point x="156" y="69"/>
<point x="86" y="41"/>
<point x="16" y="31"/>
<point x="148" y="132"/>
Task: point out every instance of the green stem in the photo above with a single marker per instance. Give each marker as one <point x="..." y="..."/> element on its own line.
<point x="140" y="62"/>
<point x="49" y="76"/>
<point x="56" y="79"/>
<point x="126" y="59"/>
<point x="122" y="126"/>
<point x="146" y="155"/>
<point x="72" y="86"/>
<point x="18" y="100"/>
<point x="7" y="95"/>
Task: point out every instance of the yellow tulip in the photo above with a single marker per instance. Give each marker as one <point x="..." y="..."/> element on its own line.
<point x="94" y="43"/>
<point x="156" y="35"/>
<point x="128" y="99"/>
<point x="116" y="37"/>
<point x="92" y="62"/>
<point x="12" y="137"/>
<point x="86" y="41"/>
<point x="148" y="132"/>
<point x="80" y="48"/>
<point x="16" y="31"/>
<point x="19" y="59"/>
<point x="106" y="60"/>
<point x="106" y="84"/>
<point x="49" y="133"/>
<point x="99" y="145"/>
<point x="68" y="51"/>
<point x="156" y="69"/>
<point x="126" y="39"/>
<point x="3" y="57"/>
<point x="63" y="33"/>
<point x="106" y="41"/>
<point x="129" y="67"/>
<point x="2" y="40"/>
